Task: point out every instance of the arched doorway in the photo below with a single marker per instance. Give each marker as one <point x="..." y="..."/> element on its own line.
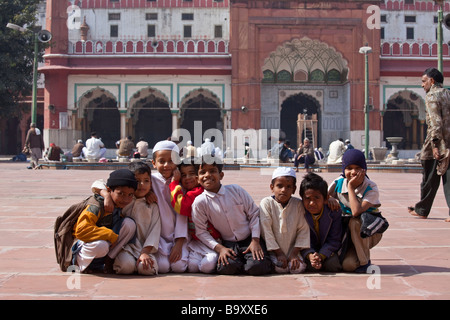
<point x="99" y="112"/>
<point x="150" y="115"/>
<point x="298" y="68"/>
<point x="405" y="117"/>
<point x="204" y="106"/>
<point x="298" y="104"/>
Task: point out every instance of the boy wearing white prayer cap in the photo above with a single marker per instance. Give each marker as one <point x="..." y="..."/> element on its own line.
<point x="172" y="254"/>
<point x="283" y="224"/>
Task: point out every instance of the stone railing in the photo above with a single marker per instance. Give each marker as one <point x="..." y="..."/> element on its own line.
<point x="407" y="49"/>
<point x="126" y="47"/>
<point x="399" y="5"/>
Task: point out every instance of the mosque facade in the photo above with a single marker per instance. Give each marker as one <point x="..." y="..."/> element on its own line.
<point x="147" y="68"/>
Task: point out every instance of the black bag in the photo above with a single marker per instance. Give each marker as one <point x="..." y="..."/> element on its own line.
<point x="63" y="230"/>
<point x="372" y="223"/>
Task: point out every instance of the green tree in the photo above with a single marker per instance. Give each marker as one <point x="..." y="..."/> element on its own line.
<point x="16" y="55"/>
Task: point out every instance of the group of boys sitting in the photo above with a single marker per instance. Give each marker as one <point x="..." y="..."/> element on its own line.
<point x="181" y="218"/>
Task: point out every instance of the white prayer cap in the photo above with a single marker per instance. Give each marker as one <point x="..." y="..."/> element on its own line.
<point x="283" y="172"/>
<point x="189" y="143"/>
<point x="166" y="145"/>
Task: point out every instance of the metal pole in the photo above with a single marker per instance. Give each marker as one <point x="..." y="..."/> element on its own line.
<point x="439" y="38"/>
<point x="366" y="108"/>
<point x="35" y="72"/>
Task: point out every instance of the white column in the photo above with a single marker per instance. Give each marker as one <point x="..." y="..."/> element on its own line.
<point x="123" y="123"/>
<point x="174" y="120"/>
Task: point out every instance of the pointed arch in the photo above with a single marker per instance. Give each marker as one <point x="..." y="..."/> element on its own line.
<point x="404" y="116"/>
<point x="294" y="104"/>
<point x="92" y="93"/>
<point x="150" y="115"/>
<point x="98" y="111"/>
<point x="201" y="105"/>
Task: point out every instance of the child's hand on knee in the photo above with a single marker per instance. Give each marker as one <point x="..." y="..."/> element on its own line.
<point x="224" y="254"/>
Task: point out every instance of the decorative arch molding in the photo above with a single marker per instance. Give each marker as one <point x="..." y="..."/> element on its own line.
<point x="292" y="104"/>
<point x="214" y="92"/>
<point x="146" y="93"/>
<point x="207" y="94"/>
<point x="314" y="95"/>
<point x="404" y="116"/>
<point x="135" y="90"/>
<point x="192" y="96"/>
<point x="413" y="94"/>
<point x="86" y="93"/>
<point x="409" y="103"/>
<point x="200" y="106"/>
<point x="320" y="62"/>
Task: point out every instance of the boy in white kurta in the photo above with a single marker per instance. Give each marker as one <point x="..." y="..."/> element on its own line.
<point x="139" y="256"/>
<point x="283" y="223"/>
<point x="173" y="253"/>
<point x="148" y="227"/>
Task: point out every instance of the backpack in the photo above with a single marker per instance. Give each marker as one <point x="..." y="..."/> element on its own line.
<point x="63" y="230"/>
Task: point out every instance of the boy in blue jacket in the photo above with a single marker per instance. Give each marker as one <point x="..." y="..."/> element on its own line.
<point x="325" y="226"/>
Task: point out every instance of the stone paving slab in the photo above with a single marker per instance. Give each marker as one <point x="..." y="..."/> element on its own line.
<point x="411" y="261"/>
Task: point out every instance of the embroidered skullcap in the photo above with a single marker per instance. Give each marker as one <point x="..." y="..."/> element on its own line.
<point x="283" y="172"/>
<point x="166" y="145"/>
<point x="122" y="178"/>
<point x="353" y="156"/>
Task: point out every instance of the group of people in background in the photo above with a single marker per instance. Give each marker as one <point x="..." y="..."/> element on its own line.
<point x="307" y="155"/>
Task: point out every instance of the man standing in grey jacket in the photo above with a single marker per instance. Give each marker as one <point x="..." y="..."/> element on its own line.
<point x="435" y="151"/>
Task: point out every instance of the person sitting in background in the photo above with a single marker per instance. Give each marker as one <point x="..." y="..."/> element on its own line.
<point x="190" y="150"/>
<point x="348" y="145"/>
<point x="286" y="153"/>
<point x="54" y="153"/>
<point x="126" y="147"/>
<point x="77" y="151"/>
<point x="305" y="154"/>
<point x="335" y="151"/>
<point x="95" y="148"/>
<point x="142" y="148"/>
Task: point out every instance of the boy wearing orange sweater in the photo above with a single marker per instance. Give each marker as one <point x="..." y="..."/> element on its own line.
<point x="101" y="235"/>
